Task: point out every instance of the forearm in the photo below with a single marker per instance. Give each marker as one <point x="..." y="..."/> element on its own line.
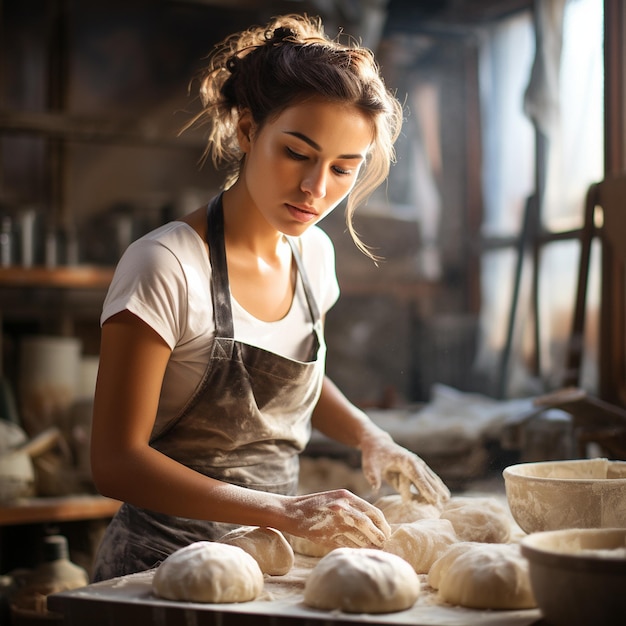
<point x="336" y="417"/>
<point x="148" y="479"/>
<point x="337" y="518"/>
<point x="382" y="458"/>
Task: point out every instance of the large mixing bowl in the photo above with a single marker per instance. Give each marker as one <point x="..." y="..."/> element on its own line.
<point x="554" y="495"/>
<point x="578" y="576"/>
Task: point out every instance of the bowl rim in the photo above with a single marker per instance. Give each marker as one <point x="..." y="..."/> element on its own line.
<point x="541" y="555"/>
<point x="513" y="471"/>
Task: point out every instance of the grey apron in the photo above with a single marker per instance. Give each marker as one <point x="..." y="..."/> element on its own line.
<point x="245" y="424"/>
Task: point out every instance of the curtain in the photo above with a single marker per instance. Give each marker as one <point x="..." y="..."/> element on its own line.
<point x="548" y="82"/>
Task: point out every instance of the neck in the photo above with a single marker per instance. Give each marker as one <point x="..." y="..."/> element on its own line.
<point x="246" y="229"/>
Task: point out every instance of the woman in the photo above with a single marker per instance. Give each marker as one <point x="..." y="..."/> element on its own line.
<point x="212" y="358"/>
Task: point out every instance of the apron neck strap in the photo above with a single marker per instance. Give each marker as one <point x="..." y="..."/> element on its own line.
<point x="220" y="288"/>
<point x="219" y="270"/>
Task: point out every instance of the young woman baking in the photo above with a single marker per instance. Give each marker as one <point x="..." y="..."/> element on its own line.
<point x="212" y="358"/>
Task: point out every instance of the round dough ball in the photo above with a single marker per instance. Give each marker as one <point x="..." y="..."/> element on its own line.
<point x="266" y="546"/>
<point x="441" y="565"/>
<point x="306" y="547"/>
<point x="484" y="520"/>
<point x="421" y="543"/>
<point x="398" y="510"/>
<point x="207" y="571"/>
<point x="485" y="576"/>
<point x="361" y="580"/>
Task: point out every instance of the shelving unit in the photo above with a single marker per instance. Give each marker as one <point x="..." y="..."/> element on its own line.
<point x="79" y="277"/>
<point x="51" y="510"/>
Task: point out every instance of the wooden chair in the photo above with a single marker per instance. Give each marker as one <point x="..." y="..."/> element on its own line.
<point x="601" y="419"/>
<point x="609" y="198"/>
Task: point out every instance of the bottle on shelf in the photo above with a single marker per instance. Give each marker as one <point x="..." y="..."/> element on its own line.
<point x="55" y="573"/>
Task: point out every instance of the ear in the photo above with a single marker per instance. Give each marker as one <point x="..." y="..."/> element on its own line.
<point x="245" y="127"/>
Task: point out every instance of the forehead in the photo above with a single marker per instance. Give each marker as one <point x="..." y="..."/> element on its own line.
<point x="329" y="124"/>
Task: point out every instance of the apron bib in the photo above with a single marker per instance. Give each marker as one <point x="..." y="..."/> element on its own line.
<point x="245" y="424"/>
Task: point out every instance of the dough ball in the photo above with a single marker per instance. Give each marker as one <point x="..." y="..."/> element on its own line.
<point x="484" y="520"/>
<point x="208" y="571"/>
<point x="361" y="580"/>
<point x="421" y="543"/>
<point x="484" y="576"/>
<point x="307" y="547"/>
<point x="266" y="546"/>
<point x="399" y="510"/>
<point x="441" y="565"/>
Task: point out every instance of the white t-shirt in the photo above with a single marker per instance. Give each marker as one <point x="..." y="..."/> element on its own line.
<point x="164" y="278"/>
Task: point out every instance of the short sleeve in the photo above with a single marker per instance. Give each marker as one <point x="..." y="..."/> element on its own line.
<point x="150" y="283"/>
<point x="319" y="259"/>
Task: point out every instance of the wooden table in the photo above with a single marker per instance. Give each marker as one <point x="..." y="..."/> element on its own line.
<point x="129" y="601"/>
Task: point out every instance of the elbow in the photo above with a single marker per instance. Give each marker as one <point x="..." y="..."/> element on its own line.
<point x="105" y="477"/>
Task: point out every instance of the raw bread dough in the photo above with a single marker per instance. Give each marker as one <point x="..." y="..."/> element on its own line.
<point x="400" y="510"/>
<point x="307" y="547"/>
<point x="441" y="565"/>
<point x="421" y="543"/>
<point x="483" y="576"/>
<point x="208" y="571"/>
<point x="361" y="580"/>
<point x="266" y="546"/>
<point x="484" y="520"/>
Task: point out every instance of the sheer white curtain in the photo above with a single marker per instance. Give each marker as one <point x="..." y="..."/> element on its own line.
<point x="573" y="128"/>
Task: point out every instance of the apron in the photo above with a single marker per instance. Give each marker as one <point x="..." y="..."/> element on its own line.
<point x="245" y="424"/>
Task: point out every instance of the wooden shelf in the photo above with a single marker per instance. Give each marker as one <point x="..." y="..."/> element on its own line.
<point x="66" y="509"/>
<point x="88" y="129"/>
<point x="74" y="277"/>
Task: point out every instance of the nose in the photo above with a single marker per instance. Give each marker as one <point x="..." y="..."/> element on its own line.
<point x="314" y="182"/>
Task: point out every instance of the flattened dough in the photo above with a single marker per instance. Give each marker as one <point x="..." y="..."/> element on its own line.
<point x="267" y="546"/>
<point x="484" y="520"/>
<point x="400" y="510"/>
<point x="362" y="580"/>
<point x="421" y="543"/>
<point x="483" y="576"/>
<point x="208" y="571"/>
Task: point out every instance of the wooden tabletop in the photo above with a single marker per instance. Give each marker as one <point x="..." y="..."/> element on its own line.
<point x="129" y="601"/>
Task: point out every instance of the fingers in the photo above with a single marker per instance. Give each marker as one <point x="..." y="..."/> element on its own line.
<point x="373" y="477"/>
<point x="343" y="519"/>
<point x="370" y="526"/>
<point x="409" y="470"/>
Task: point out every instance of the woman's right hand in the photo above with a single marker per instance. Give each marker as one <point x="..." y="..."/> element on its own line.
<point x="337" y="518"/>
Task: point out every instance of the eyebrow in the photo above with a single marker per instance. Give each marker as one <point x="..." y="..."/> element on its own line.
<point x="317" y="147"/>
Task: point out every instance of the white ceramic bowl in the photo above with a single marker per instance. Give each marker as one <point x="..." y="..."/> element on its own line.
<point x="578" y="576"/>
<point x="554" y="495"/>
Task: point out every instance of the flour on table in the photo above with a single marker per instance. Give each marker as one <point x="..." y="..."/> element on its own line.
<point x="207" y="571"/>
<point x="483" y="520"/>
<point x="267" y="546"/>
<point x="422" y="542"/>
<point x="362" y="580"/>
<point x="483" y="576"/>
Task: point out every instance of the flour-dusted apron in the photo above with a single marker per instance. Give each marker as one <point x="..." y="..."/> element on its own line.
<point x="245" y="424"/>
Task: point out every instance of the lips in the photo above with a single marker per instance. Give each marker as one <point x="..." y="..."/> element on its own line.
<point x="301" y="213"/>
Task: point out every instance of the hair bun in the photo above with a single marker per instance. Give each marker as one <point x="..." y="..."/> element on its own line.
<point x="280" y="35"/>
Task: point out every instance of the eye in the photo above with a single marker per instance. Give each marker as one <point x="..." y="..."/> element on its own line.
<point x="341" y="171"/>
<point x="295" y="155"/>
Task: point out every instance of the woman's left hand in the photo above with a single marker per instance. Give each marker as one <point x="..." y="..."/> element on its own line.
<point x="383" y="459"/>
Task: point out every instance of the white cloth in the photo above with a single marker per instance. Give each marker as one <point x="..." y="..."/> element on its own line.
<point x="541" y="100"/>
<point x="164" y="278"/>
